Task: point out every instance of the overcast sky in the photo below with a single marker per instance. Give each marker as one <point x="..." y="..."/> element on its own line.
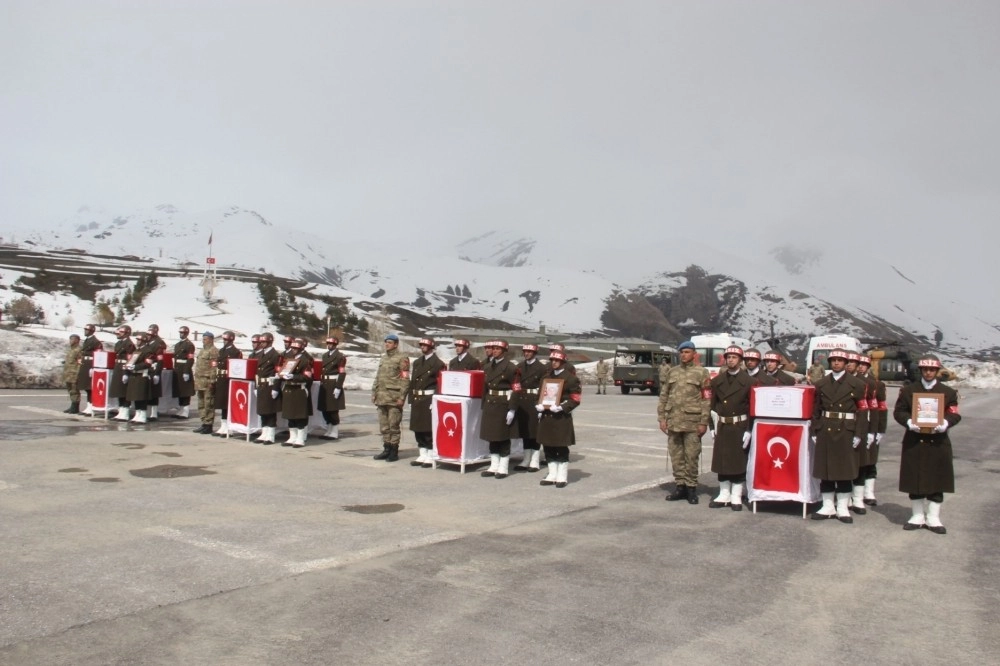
<point x="749" y="122"/>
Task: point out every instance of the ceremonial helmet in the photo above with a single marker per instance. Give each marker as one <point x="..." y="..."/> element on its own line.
<point x="929" y="361"/>
<point x="153" y="329"/>
<point x="752" y="354"/>
<point x="734" y="350"/>
<point x="289" y="340"/>
<point x="462" y="342"/>
<point x="853" y="356"/>
<point x="184" y="330"/>
<point x="123" y="331"/>
<point x="267" y="338"/>
<point x="557" y="356"/>
<point x="255" y="339"/>
<point x="429" y="342"/>
<point x="89" y="329"/>
<point x="299" y="343"/>
<point x="864" y="359"/>
<point x="556" y="346"/>
<point x="529" y="348"/>
<point x="772" y="356"/>
<point x="228" y="336"/>
<point x="332" y="341"/>
<point x="502" y="344"/>
<point x="837" y="353"/>
<point x="141" y="337"/>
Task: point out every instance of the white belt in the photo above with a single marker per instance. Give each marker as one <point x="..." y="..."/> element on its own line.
<point x="425" y="392"/>
<point x="530" y="391"/>
<point x="500" y="393"/>
<point x="733" y="419"/>
<point x="847" y="416"/>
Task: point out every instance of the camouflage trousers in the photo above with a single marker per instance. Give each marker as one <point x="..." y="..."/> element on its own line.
<point x="685" y="451"/>
<point x="389" y="418"/>
<point x="602" y="385"/>
<point x="206" y="406"/>
<point x="74" y="392"/>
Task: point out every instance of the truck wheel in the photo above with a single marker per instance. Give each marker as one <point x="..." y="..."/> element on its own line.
<point x="625" y="390"/>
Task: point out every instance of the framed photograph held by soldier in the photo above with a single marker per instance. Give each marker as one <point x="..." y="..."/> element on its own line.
<point x="928" y="410"/>
<point x="551" y="391"/>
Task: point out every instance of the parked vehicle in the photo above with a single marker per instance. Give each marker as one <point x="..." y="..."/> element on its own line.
<point x="641" y="366"/>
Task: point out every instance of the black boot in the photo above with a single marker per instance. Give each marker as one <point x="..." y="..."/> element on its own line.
<point x="205" y="429"/>
<point x="393" y="454"/>
<point x="74" y="408"/>
<point x="692" y="495"/>
<point x="680" y="492"/>
<point x="384" y="454"/>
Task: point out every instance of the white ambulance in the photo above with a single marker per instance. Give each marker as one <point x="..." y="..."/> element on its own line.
<point x="711" y="347"/>
<point x="821" y="346"/>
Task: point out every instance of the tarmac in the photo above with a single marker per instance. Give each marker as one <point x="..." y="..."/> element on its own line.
<point x="150" y="544"/>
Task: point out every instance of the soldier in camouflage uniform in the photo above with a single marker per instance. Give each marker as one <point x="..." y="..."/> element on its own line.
<point x="71" y="368"/>
<point x="815" y="373"/>
<point x="683" y="411"/>
<point x="204" y="382"/>
<point x="392" y="382"/>
<point x="602" y="377"/>
<point x="423" y="385"/>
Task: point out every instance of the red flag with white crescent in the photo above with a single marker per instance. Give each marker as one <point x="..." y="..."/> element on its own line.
<point x="777" y="456"/>
<point x="99" y="389"/>
<point x="448" y="435"/>
<point x="239" y="402"/>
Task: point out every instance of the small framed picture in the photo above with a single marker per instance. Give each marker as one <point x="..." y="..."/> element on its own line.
<point x="551" y="391"/>
<point x="289" y="367"/>
<point x="928" y="410"/>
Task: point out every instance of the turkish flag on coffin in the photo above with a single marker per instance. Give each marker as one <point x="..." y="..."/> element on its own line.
<point x="239" y="401"/>
<point x="777" y="462"/>
<point x="449" y="429"/>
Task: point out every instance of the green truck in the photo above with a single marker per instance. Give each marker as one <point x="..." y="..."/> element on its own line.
<point x="640" y="366"/>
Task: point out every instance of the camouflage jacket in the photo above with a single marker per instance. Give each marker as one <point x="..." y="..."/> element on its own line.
<point x="71" y="366"/>
<point x="685" y="398"/>
<point x="392" y="381"/>
<point x="204" y="368"/>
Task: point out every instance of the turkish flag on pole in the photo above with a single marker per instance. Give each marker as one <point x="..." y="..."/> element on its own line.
<point x="448" y="435"/>
<point x="776" y="465"/>
<point x="239" y="402"/>
<point x="99" y="389"/>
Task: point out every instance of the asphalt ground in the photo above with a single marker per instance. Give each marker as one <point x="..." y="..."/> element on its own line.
<point x="246" y="554"/>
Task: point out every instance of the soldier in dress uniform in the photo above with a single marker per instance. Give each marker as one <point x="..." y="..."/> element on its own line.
<point x="751" y="359"/>
<point x="878" y="417"/>
<point x="255" y="347"/>
<point x="71" y="369"/>
<point x="773" y="375"/>
<point x="288" y="352"/>
<point x="227" y="352"/>
<point x="839" y="422"/>
<point x="124" y="348"/>
<point x="138" y="380"/>
<point x="156" y="372"/>
<point x="685" y="401"/>
<point x="602" y="377"/>
<point x="463" y="359"/>
<point x="498" y="426"/>
<point x="555" y="422"/>
<point x="867" y="453"/>
<point x="88" y="346"/>
<point x="296" y="393"/>
<point x="559" y="347"/>
<point x="183" y="385"/>
<point x="392" y="381"/>
<point x="331" y="399"/>
<point x="731" y="401"/>
<point x="423" y="385"/>
<point x="926" y="470"/>
<point x="268" y="385"/>
<point x="205" y="364"/>
<point x="529" y="380"/>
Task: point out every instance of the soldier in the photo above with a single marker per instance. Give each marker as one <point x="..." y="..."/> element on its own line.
<point x="529" y="381"/>
<point x="227" y="352"/>
<point x="815" y="373"/>
<point x="137" y="378"/>
<point x="463" y="359"/>
<point x="88" y="346"/>
<point x="268" y="388"/>
<point x="255" y="347"/>
<point x="751" y="358"/>
<point x="499" y="408"/>
<point x="685" y="398"/>
<point x="731" y="401"/>
<point x="156" y="371"/>
<point x="555" y="423"/>
<point x="602" y="377"/>
<point x="71" y="368"/>
<point x="204" y="381"/>
<point x="773" y="375"/>
<point x="331" y="399"/>
<point x="423" y="386"/>
<point x="392" y="381"/>
<point x="296" y="393"/>
<point x="559" y="347"/>
<point x="839" y="422"/>
<point x="287" y="352"/>
<point x="878" y="417"/>
<point x="124" y="348"/>
<point x="183" y="384"/>
<point x="926" y="470"/>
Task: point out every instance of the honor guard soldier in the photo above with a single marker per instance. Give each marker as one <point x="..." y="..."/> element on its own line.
<point x="858" y="365"/>
<point x="205" y="376"/>
<point x="878" y="417"/>
<point x="498" y="426"/>
<point x="287" y="352"/>
<point x="155" y="372"/>
<point x="773" y="375"/>
<point x="840" y="420"/>
<point x="331" y="399"/>
<point x="751" y="359"/>
<point x="88" y="346"/>
<point x="559" y="347"/>
<point x="392" y="381"/>
<point x="296" y="393"/>
<point x="138" y="381"/>
<point x="423" y="385"/>
<point x="685" y="399"/>
<point x="926" y="470"/>
<point x="124" y="348"/>
<point x="731" y="401"/>
<point x="183" y="379"/>
<point x="555" y="422"/>
<point x="254" y="346"/>
<point x="268" y="387"/>
<point x="463" y="359"/>
<point x="529" y="380"/>
<point x="71" y="369"/>
<point x="227" y="352"/>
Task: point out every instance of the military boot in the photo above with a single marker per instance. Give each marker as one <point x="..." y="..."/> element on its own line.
<point x="384" y="454"/>
<point x="393" y="453"/>
<point x="680" y="492"/>
<point x="74" y="408"/>
<point x="692" y="494"/>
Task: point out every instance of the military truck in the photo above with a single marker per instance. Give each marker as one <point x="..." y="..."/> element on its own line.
<point x="640" y="366"/>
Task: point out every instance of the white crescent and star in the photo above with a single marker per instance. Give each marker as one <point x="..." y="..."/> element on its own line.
<point x="243" y="402"/>
<point x="778" y="462"/>
<point x="444" y="422"/>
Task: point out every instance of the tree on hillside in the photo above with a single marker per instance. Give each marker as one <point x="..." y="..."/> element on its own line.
<point x="103" y="315"/>
<point x="66" y="322"/>
<point x="22" y="311"/>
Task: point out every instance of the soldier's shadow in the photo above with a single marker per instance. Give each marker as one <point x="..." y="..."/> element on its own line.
<point x="896" y="514"/>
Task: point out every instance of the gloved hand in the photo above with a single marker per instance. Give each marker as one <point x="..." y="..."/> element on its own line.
<point x="878" y="437"/>
<point x="942" y="427"/>
<point x="336" y="393"/>
<point x="539" y="408"/>
<point x="555" y="409"/>
<point x="274" y="394"/>
<point x="287" y="376"/>
<point x="156" y="379"/>
<point x="90" y="373"/>
<point x="510" y="417"/>
<point x="124" y="379"/>
<point x="186" y="377"/>
<point x="870" y="439"/>
<point x="911" y="426"/>
<point x="856" y="442"/>
<point x="746" y="439"/>
<point x="130" y="367"/>
<point x="814" y="439"/>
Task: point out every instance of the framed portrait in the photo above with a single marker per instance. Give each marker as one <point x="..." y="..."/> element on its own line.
<point x="550" y="392"/>
<point x="289" y="367"/>
<point x="928" y="410"/>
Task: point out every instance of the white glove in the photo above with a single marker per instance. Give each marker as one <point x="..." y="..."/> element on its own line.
<point x="274" y="394"/>
<point x="130" y="367"/>
<point x="746" y="439"/>
<point x="510" y="417"/>
<point x="878" y="438"/>
<point x="156" y="379"/>
<point x="287" y="375"/>
<point x="539" y="408"/>
<point x="186" y="377"/>
<point x="555" y="409"/>
<point x="942" y="427"/>
<point x="814" y="439"/>
<point x="911" y="426"/>
<point x="870" y="439"/>
<point x="90" y="373"/>
<point x="856" y="442"/>
<point x="124" y="379"/>
<point x="336" y="393"/>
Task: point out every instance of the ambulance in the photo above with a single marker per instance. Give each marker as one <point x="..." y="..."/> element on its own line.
<point x="711" y="347"/>
<point x="820" y="347"/>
